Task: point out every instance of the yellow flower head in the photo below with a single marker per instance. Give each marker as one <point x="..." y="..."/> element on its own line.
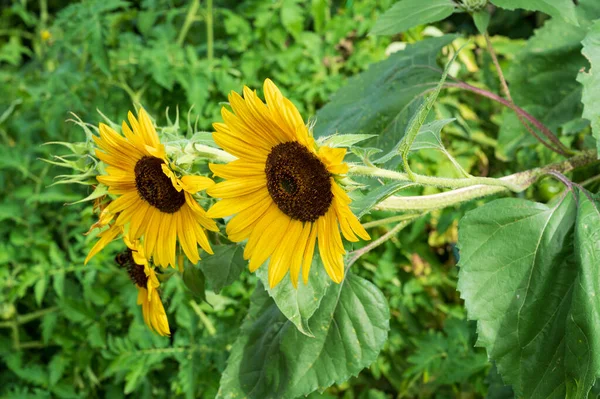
<point x="45" y="35"/>
<point x="153" y="202"/>
<point x="282" y="189"/>
<point x="147" y="284"/>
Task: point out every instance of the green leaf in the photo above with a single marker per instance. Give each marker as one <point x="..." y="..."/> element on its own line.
<point x="591" y="81"/>
<point x="382" y="99"/>
<point x="56" y="368"/>
<point x="298" y="305"/>
<point x="560" y="9"/>
<point x="409" y="13"/>
<point x="449" y="357"/>
<point x="417" y="120"/>
<point x="362" y="204"/>
<point x="532" y="289"/>
<point x="429" y="136"/>
<point x="292" y="17"/>
<point x="224" y="267"/>
<point x="194" y="280"/>
<point x="482" y="20"/>
<point x="496" y="387"/>
<point x="272" y="359"/>
<point x="583" y="345"/>
<point x="40" y="289"/>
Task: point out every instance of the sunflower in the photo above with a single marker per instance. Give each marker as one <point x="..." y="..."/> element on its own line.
<point x="144" y="277"/>
<point x="152" y="201"/>
<point x="282" y="189"/>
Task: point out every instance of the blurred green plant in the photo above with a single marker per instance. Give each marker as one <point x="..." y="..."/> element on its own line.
<point x="72" y="331"/>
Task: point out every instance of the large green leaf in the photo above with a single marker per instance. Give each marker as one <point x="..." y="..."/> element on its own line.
<point x="224" y="267"/>
<point x="272" y="359"/>
<point x="382" y="99"/>
<point x="542" y="81"/>
<point x="591" y="80"/>
<point x="560" y="9"/>
<point x="408" y="13"/>
<point x="299" y="304"/>
<point x="194" y="280"/>
<point x="583" y="354"/>
<point x="532" y="289"/>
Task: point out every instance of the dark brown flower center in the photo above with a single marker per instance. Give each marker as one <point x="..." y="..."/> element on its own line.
<point x="298" y="182"/>
<point x="136" y="272"/>
<point x="155" y="187"/>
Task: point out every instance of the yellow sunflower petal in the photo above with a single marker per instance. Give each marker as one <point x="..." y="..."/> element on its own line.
<point x="105" y="238"/>
<point x="151" y="233"/>
<point x="238" y="168"/>
<point x="199" y="215"/>
<point x="332" y="258"/>
<point x="333" y="159"/>
<point x="298" y="253"/>
<point x="188" y="243"/>
<point x="247" y="216"/>
<point x="139" y="221"/>
<point x="124" y="201"/>
<point x="284" y="111"/>
<point x="226" y="207"/>
<point x="267" y="219"/>
<point x="280" y="260"/>
<point x="273" y="235"/>
<point x="309" y="251"/>
<point x="193" y="184"/>
<point x="237" y="187"/>
<point x="153" y="311"/>
<point x="148" y="128"/>
<point x="171" y="234"/>
<point x="240" y="148"/>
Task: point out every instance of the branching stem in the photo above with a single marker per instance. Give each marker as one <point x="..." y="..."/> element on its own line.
<point x="522" y="180"/>
<point x="560" y="147"/>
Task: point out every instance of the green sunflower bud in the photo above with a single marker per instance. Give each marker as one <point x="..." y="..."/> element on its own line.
<point x="473" y="5"/>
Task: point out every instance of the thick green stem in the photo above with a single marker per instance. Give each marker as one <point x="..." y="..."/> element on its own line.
<point x="521" y="181"/>
<point x="429" y="180"/>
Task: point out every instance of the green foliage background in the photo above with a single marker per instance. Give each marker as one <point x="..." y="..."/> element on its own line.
<point x="72" y="331"/>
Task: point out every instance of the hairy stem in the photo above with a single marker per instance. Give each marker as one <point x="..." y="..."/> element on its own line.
<point x="444" y="182"/>
<point x="522" y="180"/>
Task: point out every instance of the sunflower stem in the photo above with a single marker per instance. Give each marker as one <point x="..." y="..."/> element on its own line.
<point x="521" y="180"/>
<point x="210" y="327"/>
<point x="442" y="182"/>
